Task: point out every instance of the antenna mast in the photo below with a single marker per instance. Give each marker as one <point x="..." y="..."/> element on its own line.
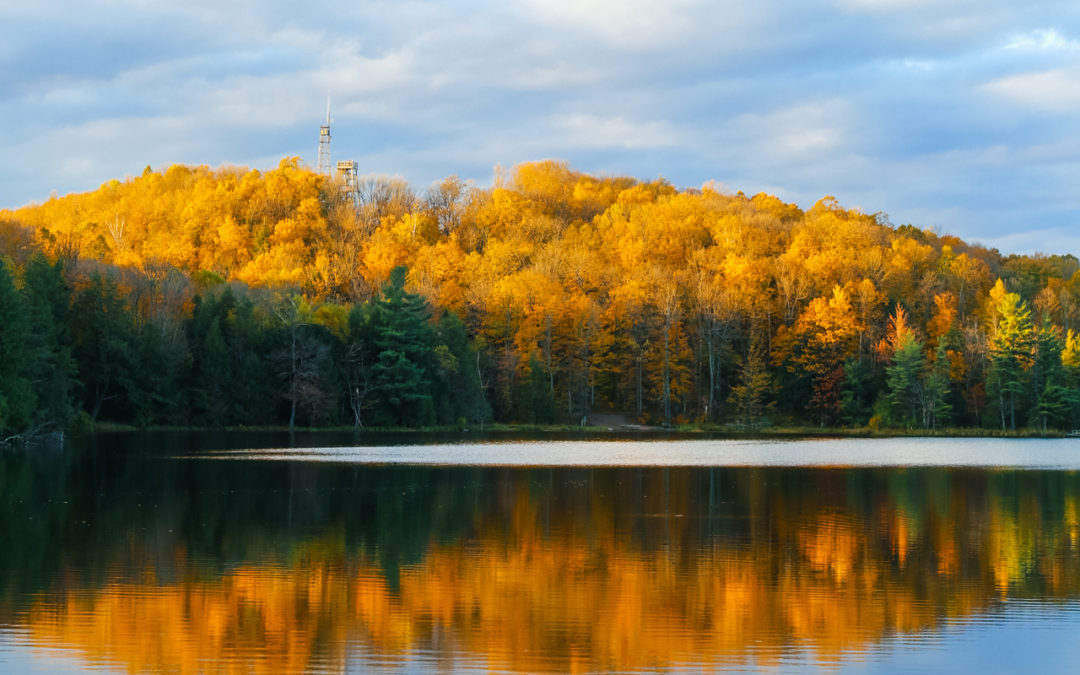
<point x="323" y="164"/>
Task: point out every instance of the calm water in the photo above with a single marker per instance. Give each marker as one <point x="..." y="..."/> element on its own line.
<point x="189" y="553"/>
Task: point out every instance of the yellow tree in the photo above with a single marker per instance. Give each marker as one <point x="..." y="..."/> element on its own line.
<point x="825" y="335"/>
<point x="719" y="305"/>
<point x="670" y="350"/>
<point x="627" y="320"/>
<point x="965" y="275"/>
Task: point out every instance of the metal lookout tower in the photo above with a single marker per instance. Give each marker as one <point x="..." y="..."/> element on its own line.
<point x="347" y="175"/>
<point x="323" y="164"/>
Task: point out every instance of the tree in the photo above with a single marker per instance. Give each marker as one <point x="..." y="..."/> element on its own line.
<point x="905" y="387"/>
<point x="668" y="304"/>
<point x="360" y="356"/>
<point x="936" y="407"/>
<point x="402" y="372"/>
<point x="1070" y="362"/>
<point x="302" y="359"/>
<point x="716" y="306"/>
<point x="213" y="376"/>
<point x="156" y="394"/>
<point x="1054" y="397"/>
<point x="212" y="364"/>
<point x="460" y="391"/>
<point x="755" y="385"/>
<point x="52" y="369"/>
<point x="903" y="376"/>
<point x="17" y="399"/>
<point x="860" y="388"/>
<point x="101" y="331"/>
<point x="1011" y="351"/>
<point x="824" y="336"/>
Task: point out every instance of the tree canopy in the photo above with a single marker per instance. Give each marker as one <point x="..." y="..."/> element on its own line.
<point x="229" y="296"/>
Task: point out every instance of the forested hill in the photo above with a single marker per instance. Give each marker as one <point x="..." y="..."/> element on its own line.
<point x="228" y="296"/>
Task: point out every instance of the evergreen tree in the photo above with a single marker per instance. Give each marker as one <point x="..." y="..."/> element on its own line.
<point x="459" y="376"/>
<point x="17" y="399"/>
<point x="1070" y="363"/>
<point x="1054" y="398"/>
<point x="755" y="385"/>
<point x="905" y="395"/>
<point x="937" y="410"/>
<point x="101" y="331"/>
<point x="53" y="368"/>
<point x="403" y="370"/>
<point x="248" y="341"/>
<point x="859" y="389"/>
<point x="155" y="396"/>
<point x="212" y="375"/>
<point x="403" y="391"/>
<point x="533" y="403"/>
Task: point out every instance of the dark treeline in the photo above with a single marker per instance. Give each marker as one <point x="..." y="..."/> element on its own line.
<point x="75" y="347"/>
<point x="232" y="297"/>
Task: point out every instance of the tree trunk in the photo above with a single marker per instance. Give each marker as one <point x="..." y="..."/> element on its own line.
<point x="667" y="373"/>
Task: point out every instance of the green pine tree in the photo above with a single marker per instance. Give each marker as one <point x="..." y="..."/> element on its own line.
<point x="403" y="372"/>
<point x="937" y="410"/>
<point x="53" y="368"/>
<point x="1054" y="397"/>
<point x="17" y="399"/>
<point x="458" y="374"/>
<point x="905" y="395"/>
<point x="101" y="332"/>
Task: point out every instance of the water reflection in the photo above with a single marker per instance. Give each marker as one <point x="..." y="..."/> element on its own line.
<point x="148" y="564"/>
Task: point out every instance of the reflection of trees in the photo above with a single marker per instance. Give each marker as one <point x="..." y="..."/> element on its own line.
<point x="538" y="569"/>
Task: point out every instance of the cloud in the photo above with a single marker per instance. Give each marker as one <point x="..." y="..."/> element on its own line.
<point x="1046" y="240"/>
<point x="626" y="24"/>
<point x="884" y="5"/>
<point x="958" y="112"/>
<point x="584" y="130"/>
<point x="802" y="133"/>
<point x="1053" y="90"/>
<point x="1043" y="39"/>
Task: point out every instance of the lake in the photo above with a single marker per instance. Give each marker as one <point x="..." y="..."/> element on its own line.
<point x="246" y="552"/>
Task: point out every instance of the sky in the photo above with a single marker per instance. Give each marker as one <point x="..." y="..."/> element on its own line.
<point x="960" y="116"/>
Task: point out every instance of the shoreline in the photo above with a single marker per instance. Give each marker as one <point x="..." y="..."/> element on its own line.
<point x="629" y="431"/>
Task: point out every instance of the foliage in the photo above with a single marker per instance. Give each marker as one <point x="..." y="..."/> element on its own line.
<point x="225" y="297"/>
<point x="750" y="396"/>
<point x="17" y="398"/>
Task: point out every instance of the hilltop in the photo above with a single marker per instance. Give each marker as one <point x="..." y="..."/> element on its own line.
<point x="575" y="294"/>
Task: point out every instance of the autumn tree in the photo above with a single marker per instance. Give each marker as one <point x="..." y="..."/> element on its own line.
<point x="823" y="337"/>
<point x="1012" y="340"/>
<point x="617" y="294"/>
